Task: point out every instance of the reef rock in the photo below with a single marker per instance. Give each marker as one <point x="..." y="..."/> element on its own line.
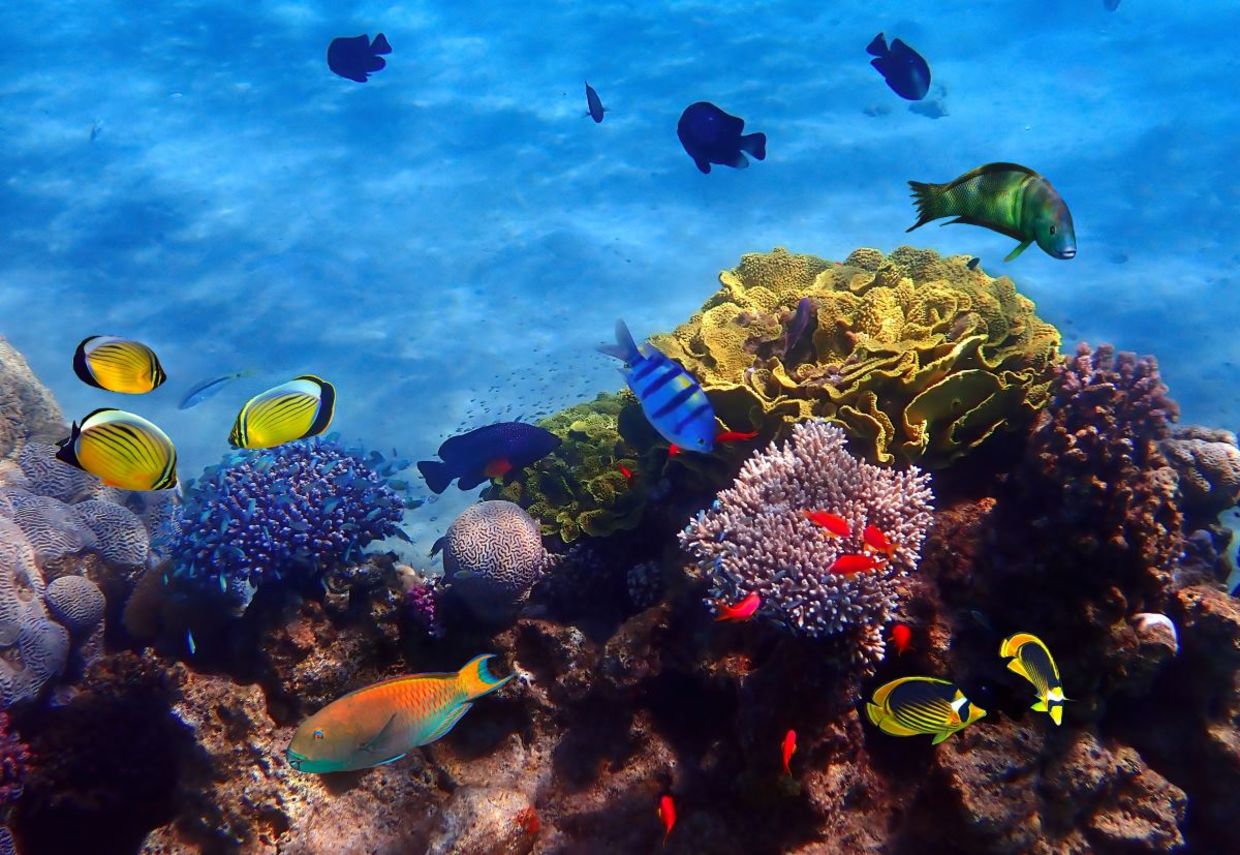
<point x="27" y="409"/>
<point x="1208" y="464"/>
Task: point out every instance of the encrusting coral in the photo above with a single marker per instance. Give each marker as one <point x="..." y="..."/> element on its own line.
<point x="919" y="358"/>
<point x="757" y="538"/>
<point x="1207" y="462"/>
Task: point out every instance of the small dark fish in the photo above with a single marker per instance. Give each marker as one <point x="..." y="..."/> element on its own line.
<point x="1110" y="5"/>
<point x="973" y="262"/>
<point x="595" y="105"/>
<point x="199" y="392"/>
<point x="798" y="324"/>
<point x="357" y="57"/>
<point x="903" y="68"/>
<point x="488" y="452"/>
<point x="710" y="135"/>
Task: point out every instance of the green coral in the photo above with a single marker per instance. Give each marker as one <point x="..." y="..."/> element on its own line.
<point x="918" y="357"/>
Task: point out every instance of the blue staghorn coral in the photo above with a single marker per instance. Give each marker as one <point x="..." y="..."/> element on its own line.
<point x="301" y="508"/>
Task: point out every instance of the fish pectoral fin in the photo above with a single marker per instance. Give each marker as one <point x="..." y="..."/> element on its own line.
<point x="941" y="735"/>
<point x="371" y="744"/>
<point x="392" y="759"/>
<point x="1024" y="245"/>
<point x="448" y="723"/>
<point x="1015" y="666"/>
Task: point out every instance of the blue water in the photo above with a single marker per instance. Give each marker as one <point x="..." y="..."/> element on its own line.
<point x="449" y="241"/>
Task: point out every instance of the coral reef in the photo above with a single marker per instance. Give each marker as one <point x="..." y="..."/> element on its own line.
<point x="757" y="538"/>
<point x="300" y="509"/>
<point x="492" y="556"/>
<point x="27" y="409"/>
<point x="1207" y="462"/>
<point x="918" y="357"/>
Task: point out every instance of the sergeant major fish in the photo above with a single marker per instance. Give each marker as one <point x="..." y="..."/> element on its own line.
<point x="1008" y="198"/>
<point x="671" y="399"/>
<point x="382" y="723"/>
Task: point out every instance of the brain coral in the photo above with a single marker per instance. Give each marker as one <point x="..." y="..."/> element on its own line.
<point x="50" y="525"/>
<point x="493" y="555"/>
<point x="757" y="538"/>
<point x="917" y="357"/>
<point x="50" y="477"/>
<point x="76" y="602"/>
<point x="120" y="536"/>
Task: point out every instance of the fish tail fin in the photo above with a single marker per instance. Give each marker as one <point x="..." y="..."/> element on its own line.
<point x="625" y="349"/>
<point x="380" y="44"/>
<point x="928" y="198"/>
<point x="877" y="46"/>
<point x="476" y="678"/>
<point x="438" y="476"/>
<point x="755" y="144"/>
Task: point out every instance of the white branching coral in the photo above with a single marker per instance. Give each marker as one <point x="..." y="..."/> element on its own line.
<point x="757" y="537"/>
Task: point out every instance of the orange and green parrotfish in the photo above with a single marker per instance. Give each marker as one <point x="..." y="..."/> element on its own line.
<point x="833" y="524"/>
<point x="1007" y="198"/>
<point x="743" y="610"/>
<point x="382" y="723"/>
<point x="911" y="706"/>
<point x="1034" y="662"/>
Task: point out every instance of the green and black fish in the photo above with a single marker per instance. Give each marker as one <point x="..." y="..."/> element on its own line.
<point x="1006" y="197"/>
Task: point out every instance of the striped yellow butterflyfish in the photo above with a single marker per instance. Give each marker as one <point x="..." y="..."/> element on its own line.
<point x="118" y="365"/>
<point x="911" y="706"/>
<point x="122" y="449"/>
<point x="297" y="409"/>
<point x="1032" y="660"/>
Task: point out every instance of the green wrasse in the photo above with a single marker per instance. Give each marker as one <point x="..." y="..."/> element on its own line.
<point x="382" y="723"/>
<point x="1006" y="197"/>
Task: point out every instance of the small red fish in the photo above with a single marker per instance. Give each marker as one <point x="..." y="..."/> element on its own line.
<point x="901" y="635"/>
<point x="735" y="436"/>
<point x="667" y="813"/>
<point x="835" y="525"/>
<point x="497" y="468"/>
<point x="626" y="472"/>
<point x="789" y="747"/>
<point x="875" y="541"/>
<point x="673" y="450"/>
<point x="852" y="563"/>
<point x="743" y="610"/>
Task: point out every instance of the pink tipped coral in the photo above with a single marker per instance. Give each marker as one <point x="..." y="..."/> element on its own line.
<point x="756" y="537"/>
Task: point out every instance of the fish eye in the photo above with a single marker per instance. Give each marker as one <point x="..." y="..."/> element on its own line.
<point x="1052" y="229"/>
<point x="318" y="734"/>
<point x="701" y="441"/>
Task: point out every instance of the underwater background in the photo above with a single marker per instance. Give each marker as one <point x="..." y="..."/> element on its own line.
<point x="449" y="242"/>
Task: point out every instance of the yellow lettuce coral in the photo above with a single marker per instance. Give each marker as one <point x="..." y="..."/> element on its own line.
<point x="918" y="357"/>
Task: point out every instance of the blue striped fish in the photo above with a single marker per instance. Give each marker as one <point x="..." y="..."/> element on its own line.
<point x="671" y="399"/>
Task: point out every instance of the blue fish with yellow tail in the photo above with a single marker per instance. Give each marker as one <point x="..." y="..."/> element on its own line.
<point x="1032" y="660"/>
<point x="382" y="723"/>
<point x="671" y="399"/>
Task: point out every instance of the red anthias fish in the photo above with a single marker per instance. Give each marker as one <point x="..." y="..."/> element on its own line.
<point x="901" y="635"/>
<point x="852" y="563"/>
<point x="788" y="747"/>
<point x="673" y="450"/>
<point x="625" y="471"/>
<point x="875" y="541"/>
<point x="735" y="436"/>
<point x="667" y="813"/>
<point x="743" y="610"/>
<point x="835" y="525"/>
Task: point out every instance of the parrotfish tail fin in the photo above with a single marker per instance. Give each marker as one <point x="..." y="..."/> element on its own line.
<point x="380" y="44"/>
<point x="941" y="735"/>
<point x="929" y="201"/>
<point x="877" y="47"/>
<point x="476" y="678"/>
<point x="438" y="476"/>
<point x="1024" y="245"/>
<point x="625" y="349"/>
<point x="755" y="144"/>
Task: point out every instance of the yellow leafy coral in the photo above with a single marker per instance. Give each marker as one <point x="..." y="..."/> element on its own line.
<point x="918" y="357"/>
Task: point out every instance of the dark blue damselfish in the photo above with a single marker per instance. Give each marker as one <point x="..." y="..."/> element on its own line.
<point x="903" y="68"/>
<point x="467" y="457"/>
<point x="710" y="135"/>
<point x="357" y="57"/>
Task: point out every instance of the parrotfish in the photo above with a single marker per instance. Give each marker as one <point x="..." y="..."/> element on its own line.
<point x="904" y="69"/>
<point x="742" y="610"/>
<point x="910" y="706"/>
<point x="122" y="449"/>
<point x="117" y="365"/>
<point x="487" y="452"/>
<point x="787" y="748"/>
<point x="382" y="723"/>
<point x="300" y="408"/>
<point x="594" y="104"/>
<point x="199" y="392"/>
<point x="1033" y="661"/>
<point x="357" y="57"/>
<point x="848" y="564"/>
<point x="833" y="524"/>
<point x="710" y="135"/>
<point x="1007" y="198"/>
<point x="671" y="399"/>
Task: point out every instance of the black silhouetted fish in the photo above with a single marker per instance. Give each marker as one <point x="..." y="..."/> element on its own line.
<point x="710" y="135"/>
<point x="905" y="71"/>
<point x="488" y="452"/>
<point x="357" y="57"/>
<point x="594" y="104"/>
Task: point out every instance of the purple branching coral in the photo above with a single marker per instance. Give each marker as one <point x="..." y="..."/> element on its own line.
<point x="302" y="508"/>
<point x="756" y="537"/>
